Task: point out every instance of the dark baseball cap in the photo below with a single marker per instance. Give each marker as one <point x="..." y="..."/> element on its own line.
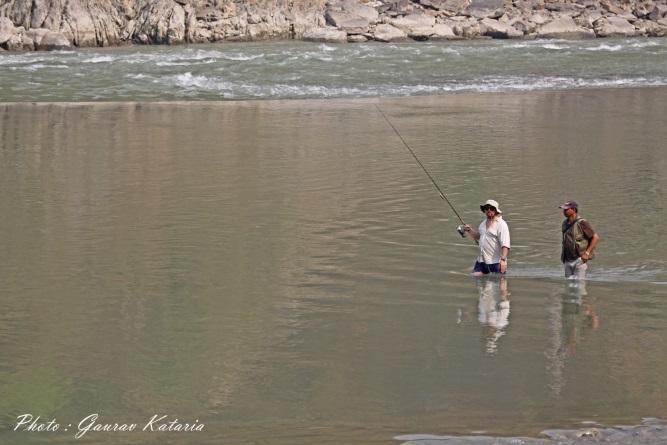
<point x="569" y="205"/>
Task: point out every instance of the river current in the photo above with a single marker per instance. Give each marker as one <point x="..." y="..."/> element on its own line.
<point x="283" y="272"/>
<point x="290" y="70"/>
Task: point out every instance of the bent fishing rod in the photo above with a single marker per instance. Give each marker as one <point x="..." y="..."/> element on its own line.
<point x="442" y="194"/>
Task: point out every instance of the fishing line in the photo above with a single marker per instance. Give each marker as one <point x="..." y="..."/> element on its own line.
<point x="442" y="194"/>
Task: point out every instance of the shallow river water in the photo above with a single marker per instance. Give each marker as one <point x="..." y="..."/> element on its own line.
<point x="283" y="272"/>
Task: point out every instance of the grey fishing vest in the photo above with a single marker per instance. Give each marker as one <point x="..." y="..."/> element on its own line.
<point x="573" y="235"/>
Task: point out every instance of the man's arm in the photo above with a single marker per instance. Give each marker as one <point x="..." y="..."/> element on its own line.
<point x="591" y="246"/>
<point x="473" y="233"/>
<point x="503" y="259"/>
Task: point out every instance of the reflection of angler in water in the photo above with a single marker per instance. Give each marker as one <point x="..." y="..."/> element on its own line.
<point x="571" y="316"/>
<point x="493" y="309"/>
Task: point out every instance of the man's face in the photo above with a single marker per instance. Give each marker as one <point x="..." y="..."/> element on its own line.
<point x="489" y="211"/>
<point x="569" y="212"/>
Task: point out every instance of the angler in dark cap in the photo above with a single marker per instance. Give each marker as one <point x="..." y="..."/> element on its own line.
<point x="579" y="241"/>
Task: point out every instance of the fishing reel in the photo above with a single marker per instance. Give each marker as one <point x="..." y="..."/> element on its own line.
<point x="461" y="231"/>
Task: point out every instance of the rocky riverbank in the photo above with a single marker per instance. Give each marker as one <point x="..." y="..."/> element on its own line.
<point x="27" y="25"/>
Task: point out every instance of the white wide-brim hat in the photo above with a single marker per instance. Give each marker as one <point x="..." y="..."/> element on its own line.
<point x="491" y="202"/>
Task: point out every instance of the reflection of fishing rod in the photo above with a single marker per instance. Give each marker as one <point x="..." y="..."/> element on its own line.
<point x="442" y="194"/>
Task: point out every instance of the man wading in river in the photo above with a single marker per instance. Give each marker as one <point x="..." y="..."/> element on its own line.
<point x="579" y="241"/>
<point x="494" y="240"/>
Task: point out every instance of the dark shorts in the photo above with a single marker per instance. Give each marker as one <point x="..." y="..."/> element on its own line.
<point x="486" y="268"/>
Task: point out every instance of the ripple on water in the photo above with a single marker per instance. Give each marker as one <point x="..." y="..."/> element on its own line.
<point x="651" y="432"/>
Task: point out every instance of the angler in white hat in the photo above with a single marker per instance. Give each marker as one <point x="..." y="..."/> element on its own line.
<point x="493" y="236"/>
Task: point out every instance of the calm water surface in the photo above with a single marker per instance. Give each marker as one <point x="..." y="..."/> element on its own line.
<point x="284" y="273"/>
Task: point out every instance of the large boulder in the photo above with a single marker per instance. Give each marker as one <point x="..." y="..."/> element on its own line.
<point x="442" y="31"/>
<point x="357" y="38"/>
<point x="14" y="43"/>
<point x="588" y="18"/>
<point x="36" y="35"/>
<point x="346" y="21"/>
<point x="564" y="28"/>
<point x="448" y="7"/>
<point x="649" y="28"/>
<point x="161" y="21"/>
<point x="499" y="30"/>
<point x="332" y="35"/>
<point x="481" y="9"/>
<point x="388" y="33"/>
<point x="303" y="22"/>
<point x="467" y="29"/>
<point x="413" y="22"/>
<point x="53" y="41"/>
<point x="423" y="33"/>
<point x="7" y="29"/>
<point x="613" y="7"/>
<point x="659" y="11"/>
<point x="614" y="27"/>
<point x="364" y="11"/>
<point x="539" y="19"/>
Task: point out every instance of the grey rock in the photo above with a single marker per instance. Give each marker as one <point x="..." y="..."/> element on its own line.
<point x="588" y="18"/>
<point x="564" y="28"/>
<point x="302" y="22"/>
<point x="612" y="6"/>
<point x="36" y="35"/>
<point x="470" y="29"/>
<point x="421" y="33"/>
<point x="524" y="26"/>
<point x="499" y="30"/>
<point x="399" y="6"/>
<point x="658" y="12"/>
<point x="487" y="4"/>
<point x="630" y="17"/>
<point x="160" y="21"/>
<point x="561" y="6"/>
<point x="53" y="41"/>
<point x="363" y="11"/>
<point x="357" y="38"/>
<point x="27" y="42"/>
<point x="485" y="8"/>
<point x="442" y="31"/>
<point x="14" y="43"/>
<point x="325" y="35"/>
<point x="411" y="22"/>
<point x="7" y="29"/>
<point x="20" y="42"/>
<point x="539" y="19"/>
<point x="451" y="7"/>
<point x="347" y="21"/>
<point x="190" y="23"/>
<point x="388" y="33"/>
<point x="649" y="28"/>
<point x="614" y="27"/>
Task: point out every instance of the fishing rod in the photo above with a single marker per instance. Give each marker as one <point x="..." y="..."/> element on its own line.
<point x="442" y="194"/>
